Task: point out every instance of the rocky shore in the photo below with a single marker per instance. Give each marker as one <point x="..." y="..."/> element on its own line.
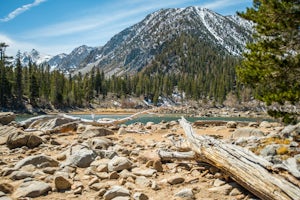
<point x="65" y="158"/>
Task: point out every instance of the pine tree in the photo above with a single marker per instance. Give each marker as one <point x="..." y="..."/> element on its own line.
<point x="18" y="81"/>
<point x="272" y="63"/>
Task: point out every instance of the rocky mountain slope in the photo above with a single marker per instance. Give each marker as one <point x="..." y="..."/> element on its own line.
<point x="136" y="46"/>
<point x="68" y="63"/>
<point x="34" y="56"/>
<point x="63" y="62"/>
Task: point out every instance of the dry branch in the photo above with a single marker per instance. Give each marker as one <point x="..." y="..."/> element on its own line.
<point x="171" y="155"/>
<point x="249" y="170"/>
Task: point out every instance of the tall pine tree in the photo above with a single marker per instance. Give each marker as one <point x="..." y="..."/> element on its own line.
<point x="272" y="63"/>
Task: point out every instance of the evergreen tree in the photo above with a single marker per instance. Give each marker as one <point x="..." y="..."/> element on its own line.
<point x="272" y="64"/>
<point x="18" y="81"/>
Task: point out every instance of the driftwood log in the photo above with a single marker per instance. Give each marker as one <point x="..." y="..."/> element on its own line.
<point x="249" y="170"/>
<point x="171" y="155"/>
<point x="43" y="120"/>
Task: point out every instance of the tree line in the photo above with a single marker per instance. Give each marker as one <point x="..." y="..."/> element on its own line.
<point x="196" y="69"/>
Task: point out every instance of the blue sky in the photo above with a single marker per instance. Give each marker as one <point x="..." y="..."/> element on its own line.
<point x="59" y="26"/>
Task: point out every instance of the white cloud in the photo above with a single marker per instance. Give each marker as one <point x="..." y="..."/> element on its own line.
<point x="96" y="21"/>
<point x="21" y="9"/>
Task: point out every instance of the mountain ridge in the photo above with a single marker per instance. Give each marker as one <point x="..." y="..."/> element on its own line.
<point x="135" y="47"/>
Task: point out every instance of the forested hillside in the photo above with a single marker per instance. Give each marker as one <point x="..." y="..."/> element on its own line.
<point x="196" y="69"/>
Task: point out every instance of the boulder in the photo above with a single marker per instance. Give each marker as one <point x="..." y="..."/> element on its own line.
<point x="149" y="125"/>
<point x="119" y="164"/>
<point x="116" y="191"/>
<point x="19" y="175"/>
<point x="5" y="131"/>
<point x="21" y="138"/>
<point x="32" y="189"/>
<point x="7" y="117"/>
<point x="140" y="196"/>
<point x="61" y="183"/>
<point x="246" y="132"/>
<point x="142" y="181"/>
<point x="101" y="143"/>
<point x="80" y="156"/>
<point x="186" y="193"/>
<point x="231" y="124"/>
<point x="38" y="161"/>
<point x="269" y="150"/>
<point x="265" y="124"/>
<point x="49" y="123"/>
<point x="95" y="131"/>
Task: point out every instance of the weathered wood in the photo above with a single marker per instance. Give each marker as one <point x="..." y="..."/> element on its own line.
<point x="171" y="155"/>
<point x="249" y="170"/>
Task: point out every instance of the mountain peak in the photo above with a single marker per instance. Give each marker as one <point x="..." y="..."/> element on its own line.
<point x="135" y="47"/>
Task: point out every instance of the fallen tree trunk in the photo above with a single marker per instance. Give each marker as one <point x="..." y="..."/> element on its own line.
<point x="247" y="169"/>
<point x="171" y="155"/>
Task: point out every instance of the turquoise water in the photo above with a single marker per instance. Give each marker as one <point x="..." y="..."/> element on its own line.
<point x="157" y="118"/>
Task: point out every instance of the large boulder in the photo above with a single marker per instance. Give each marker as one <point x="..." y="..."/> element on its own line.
<point x="80" y="156"/>
<point x="7" y="117"/>
<point x="94" y="131"/>
<point x="21" y="138"/>
<point x="119" y="164"/>
<point x="5" y="131"/>
<point x="247" y="132"/>
<point x="32" y="189"/>
<point x="48" y="122"/>
<point x="38" y="161"/>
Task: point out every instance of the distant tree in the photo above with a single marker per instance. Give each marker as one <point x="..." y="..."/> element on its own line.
<point x="18" y="80"/>
<point x="272" y="63"/>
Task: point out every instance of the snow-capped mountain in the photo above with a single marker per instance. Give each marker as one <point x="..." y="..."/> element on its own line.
<point x="69" y="62"/>
<point x="55" y="61"/>
<point x="133" y="48"/>
<point x="34" y="57"/>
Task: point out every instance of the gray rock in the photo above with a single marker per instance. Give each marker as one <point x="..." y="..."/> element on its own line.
<point x="5" y="131"/>
<point x="140" y="196"/>
<point x="21" y="138"/>
<point x="144" y="172"/>
<point x="247" y="132"/>
<point x="94" y="131"/>
<point x="290" y="130"/>
<point x="119" y="164"/>
<point x="231" y="124"/>
<point x="7" y="117"/>
<point x="122" y="131"/>
<point x="143" y="181"/>
<point x="101" y="143"/>
<point x="176" y="180"/>
<point x="265" y="124"/>
<point x="186" y="193"/>
<point x="80" y="156"/>
<point x="109" y="154"/>
<point x="37" y="160"/>
<point x="32" y="189"/>
<point x="149" y="125"/>
<point x="269" y="150"/>
<point x="224" y="189"/>
<point x="61" y="183"/>
<point x="253" y="124"/>
<point x="50" y="123"/>
<point x="219" y="182"/>
<point x="19" y="175"/>
<point x="116" y="191"/>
